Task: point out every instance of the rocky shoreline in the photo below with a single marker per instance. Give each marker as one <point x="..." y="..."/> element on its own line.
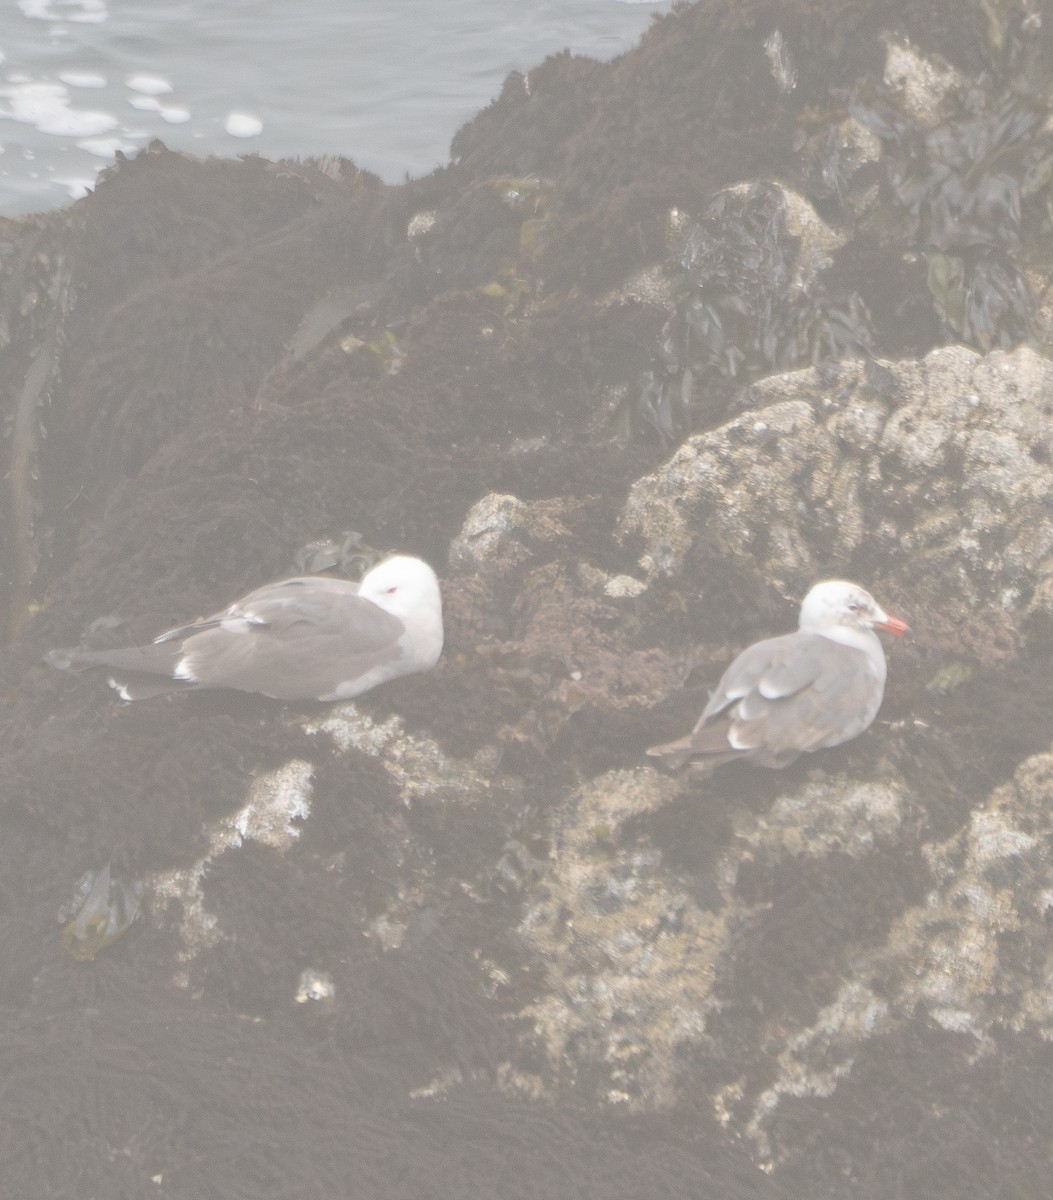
<point x="670" y="338"/>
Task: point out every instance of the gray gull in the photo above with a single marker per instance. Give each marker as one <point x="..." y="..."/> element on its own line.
<point x="308" y="638"/>
<point x="804" y="691"/>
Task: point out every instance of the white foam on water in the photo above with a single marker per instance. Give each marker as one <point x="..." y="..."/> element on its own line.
<point x="172" y="113"/>
<point x="90" y="11"/>
<point x="45" y="105"/>
<point x="106" y="147"/>
<point x="82" y="79"/>
<point x="385" y="84"/>
<point x="148" y="85"/>
<point x="243" y="125"/>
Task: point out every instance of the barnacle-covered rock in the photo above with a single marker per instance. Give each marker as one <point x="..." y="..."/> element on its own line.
<point x="938" y="470"/>
<point x="833" y="815"/>
<point x="315" y="987"/>
<point x="275" y="801"/>
<point x="920" y="83"/>
<point x="971" y="957"/>
<point x="632" y="962"/>
<point x="629" y="956"/>
<point x="418" y="765"/>
<point x="500" y="532"/>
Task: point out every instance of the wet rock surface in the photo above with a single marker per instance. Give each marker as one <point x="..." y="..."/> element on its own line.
<point x="674" y="337"/>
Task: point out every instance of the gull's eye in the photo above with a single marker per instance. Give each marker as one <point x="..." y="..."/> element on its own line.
<point x="854" y="606"/>
<point x="391" y="590"/>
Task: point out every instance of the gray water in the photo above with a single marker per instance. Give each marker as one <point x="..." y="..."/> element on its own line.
<point x="384" y="82"/>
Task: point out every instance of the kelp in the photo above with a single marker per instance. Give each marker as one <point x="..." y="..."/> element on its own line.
<point x="972" y="190"/>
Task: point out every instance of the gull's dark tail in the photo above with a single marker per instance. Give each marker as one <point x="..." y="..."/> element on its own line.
<point x="703" y="749"/>
<point x="140" y="671"/>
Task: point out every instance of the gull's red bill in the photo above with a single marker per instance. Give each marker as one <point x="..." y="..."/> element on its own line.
<point x="893" y="625"/>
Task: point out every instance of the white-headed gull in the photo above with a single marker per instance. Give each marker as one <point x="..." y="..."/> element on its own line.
<point x="309" y="638"/>
<point x="803" y="691"/>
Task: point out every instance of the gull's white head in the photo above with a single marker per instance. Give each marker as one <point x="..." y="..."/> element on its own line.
<point x="403" y="586"/>
<point x="836" y="604"/>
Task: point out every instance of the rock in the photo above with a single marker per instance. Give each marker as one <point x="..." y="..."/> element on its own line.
<point x="631" y="961"/>
<point x="936" y="474"/>
<point x="499" y="532"/>
<point x="921" y="82"/>
<point x="834" y="815"/>
<point x="629" y="957"/>
<point x="970" y="957"/>
<point x="617" y="982"/>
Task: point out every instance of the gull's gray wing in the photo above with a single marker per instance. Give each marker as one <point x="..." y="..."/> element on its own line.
<point x="285" y="590"/>
<point x="774" y="668"/>
<point x="780" y="698"/>
<point x="294" y="640"/>
<point x="299" y="639"/>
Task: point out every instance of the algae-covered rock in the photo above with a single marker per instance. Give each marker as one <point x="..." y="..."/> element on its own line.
<point x="633" y="965"/>
<point x="629" y="957"/>
<point x="762" y="234"/>
<point x="971" y="957"/>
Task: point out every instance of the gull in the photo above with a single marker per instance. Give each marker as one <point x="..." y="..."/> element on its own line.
<point x="307" y="638"/>
<point x="804" y="691"/>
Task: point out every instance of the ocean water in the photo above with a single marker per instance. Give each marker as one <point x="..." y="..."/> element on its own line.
<point x="384" y="82"/>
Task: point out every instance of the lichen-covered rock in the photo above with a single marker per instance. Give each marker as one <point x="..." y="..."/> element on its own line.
<point x="632" y="962"/>
<point x="500" y="531"/>
<point x="828" y="816"/>
<point x="275" y="800"/>
<point x="934" y="474"/>
<point x="971" y="957"/>
<point x="922" y="83"/>
<point x="629" y="956"/>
